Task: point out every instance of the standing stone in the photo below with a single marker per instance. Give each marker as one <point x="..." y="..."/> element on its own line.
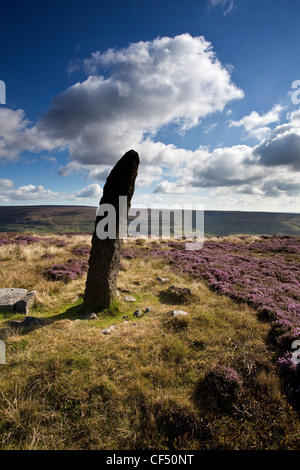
<point x="105" y="254"/>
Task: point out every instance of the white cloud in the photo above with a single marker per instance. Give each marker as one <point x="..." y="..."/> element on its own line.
<point x="282" y="147"/>
<point x="256" y="125"/>
<point x="169" y="187"/>
<point x="145" y="86"/>
<point x="18" y="134"/>
<point x="25" y="193"/>
<point x="5" y="184"/>
<point x="90" y="191"/>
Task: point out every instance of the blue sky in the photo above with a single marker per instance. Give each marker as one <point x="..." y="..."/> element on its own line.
<point x="201" y="89"/>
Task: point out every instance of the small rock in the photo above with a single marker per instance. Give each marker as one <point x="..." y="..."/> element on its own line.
<point x="117" y="293"/>
<point x="108" y="331"/>
<point x="178" y="313"/>
<point x="137" y="313"/>
<point x="148" y="310"/>
<point x="90" y="316"/>
<point x="161" y="279"/>
<point x="125" y="316"/>
<point x="130" y="298"/>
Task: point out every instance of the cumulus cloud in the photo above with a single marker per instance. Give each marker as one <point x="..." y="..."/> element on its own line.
<point x="24" y="193"/>
<point x="90" y="191"/>
<point x="169" y="187"/>
<point x="282" y="147"/>
<point x="5" y="184"/>
<point x="131" y="93"/>
<point x="231" y="170"/>
<point x="256" y="125"/>
<point x="18" y="134"/>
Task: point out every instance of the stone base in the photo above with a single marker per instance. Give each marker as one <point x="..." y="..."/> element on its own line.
<point x="16" y="300"/>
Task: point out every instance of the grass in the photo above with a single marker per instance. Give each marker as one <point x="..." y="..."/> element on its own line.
<point x="68" y="386"/>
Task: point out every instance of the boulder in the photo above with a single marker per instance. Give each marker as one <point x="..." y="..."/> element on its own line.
<point x="16" y="300"/>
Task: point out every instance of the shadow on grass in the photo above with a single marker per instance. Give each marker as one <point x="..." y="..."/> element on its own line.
<point x="75" y="312"/>
<point x="171" y="298"/>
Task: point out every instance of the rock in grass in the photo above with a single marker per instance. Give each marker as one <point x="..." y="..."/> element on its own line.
<point x="16" y="300"/>
<point x="137" y="313"/>
<point x="90" y="316"/>
<point x="178" y="313"/>
<point x="149" y="310"/>
<point x="129" y="298"/>
<point x="161" y="279"/>
<point x="108" y="331"/>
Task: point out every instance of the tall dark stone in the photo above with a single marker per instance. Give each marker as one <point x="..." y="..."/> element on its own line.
<point x="105" y="254"/>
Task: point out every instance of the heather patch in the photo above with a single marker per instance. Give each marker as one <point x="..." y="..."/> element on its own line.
<point x="83" y="250"/>
<point x="222" y="385"/>
<point x="25" y="240"/>
<point x="69" y="271"/>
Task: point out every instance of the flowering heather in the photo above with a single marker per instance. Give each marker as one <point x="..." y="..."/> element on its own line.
<point x="263" y="273"/>
<point x="221" y="383"/>
<point x="83" y="250"/>
<point x="25" y="240"/>
<point x="4" y="241"/>
<point x="66" y="272"/>
<point x="12" y="239"/>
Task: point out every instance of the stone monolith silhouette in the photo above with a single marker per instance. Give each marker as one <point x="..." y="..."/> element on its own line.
<point x="101" y="284"/>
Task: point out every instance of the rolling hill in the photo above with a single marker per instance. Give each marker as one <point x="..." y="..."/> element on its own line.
<point x="80" y="219"/>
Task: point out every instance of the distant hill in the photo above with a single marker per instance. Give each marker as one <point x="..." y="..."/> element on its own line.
<point x="62" y="219"/>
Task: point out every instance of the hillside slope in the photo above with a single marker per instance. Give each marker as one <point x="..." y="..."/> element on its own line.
<point x="80" y="219"/>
